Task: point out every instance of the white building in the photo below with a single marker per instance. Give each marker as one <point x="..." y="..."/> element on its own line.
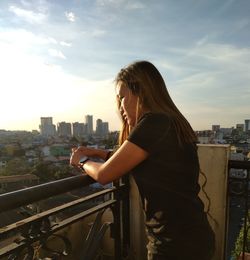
<point x="78" y="129"/>
<point x="47" y="128"/>
<point x="247" y="124"/>
<point x="89" y="124"/>
<point x="102" y="128"/>
<point x="64" y="129"/>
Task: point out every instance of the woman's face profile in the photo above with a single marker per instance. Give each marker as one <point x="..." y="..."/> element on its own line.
<point x="128" y="103"/>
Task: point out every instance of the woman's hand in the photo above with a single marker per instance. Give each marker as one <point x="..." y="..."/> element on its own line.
<point x="78" y="153"/>
<point x="86" y="151"/>
<point x="75" y="157"/>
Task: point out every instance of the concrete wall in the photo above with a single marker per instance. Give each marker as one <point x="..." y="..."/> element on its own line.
<point x="214" y="164"/>
<point x="137" y="230"/>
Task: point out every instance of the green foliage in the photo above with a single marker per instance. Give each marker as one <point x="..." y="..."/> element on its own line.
<point x="3" y="151"/>
<point x="16" y="166"/>
<point x="42" y="170"/>
<point x="61" y="172"/>
<point x="49" y="171"/>
<point x="239" y="242"/>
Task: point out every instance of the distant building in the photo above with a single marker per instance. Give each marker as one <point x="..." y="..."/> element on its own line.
<point x="60" y="150"/>
<point x="3" y="164"/>
<point x="240" y="127"/>
<point x="215" y="128"/>
<point x="247" y="125"/>
<point x="47" y="128"/>
<point x="78" y="129"/>
<point x="226" y="131"/>
<point x="64" y="129"/>
<point x="219" y="138"/>
<point x="45" y="151"/>
<point x="102" y="128"/>
<point x="105" y="128"/>
<point x="89" y="124"/>
<point x="99" y="127"/>
<point x="205" y="136"/>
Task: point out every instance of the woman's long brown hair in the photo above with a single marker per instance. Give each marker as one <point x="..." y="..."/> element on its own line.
<point x="145" y="81"/>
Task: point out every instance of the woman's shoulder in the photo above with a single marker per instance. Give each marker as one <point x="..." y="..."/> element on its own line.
<point x="151" y="129"/>
<point x="155" y="117"/>
<point x="152" y="122"/>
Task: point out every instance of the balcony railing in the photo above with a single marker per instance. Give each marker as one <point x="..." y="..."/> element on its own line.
<point x="24" y="237"/>
<point x="33" y="232"/>
<point x="239" y="192"/>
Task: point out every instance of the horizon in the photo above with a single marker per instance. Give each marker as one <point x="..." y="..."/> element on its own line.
<point x="60" y="58"/>
<point x="113" y="130"/>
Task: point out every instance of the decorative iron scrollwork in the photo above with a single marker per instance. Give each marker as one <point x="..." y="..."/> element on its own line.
<point x="92" y="245"/>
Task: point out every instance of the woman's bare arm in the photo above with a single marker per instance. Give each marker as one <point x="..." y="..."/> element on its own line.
<point x="122" y="161"/>
<point x="90" y="152"/>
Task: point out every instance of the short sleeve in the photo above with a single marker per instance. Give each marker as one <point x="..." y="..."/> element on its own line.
<point x="150" y="131"/>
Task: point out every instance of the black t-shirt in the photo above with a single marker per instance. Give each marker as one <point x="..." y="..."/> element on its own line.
<point x="168" y="179"/>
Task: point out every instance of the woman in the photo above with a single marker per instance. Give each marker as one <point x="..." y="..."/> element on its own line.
<point x="158" y="146"/>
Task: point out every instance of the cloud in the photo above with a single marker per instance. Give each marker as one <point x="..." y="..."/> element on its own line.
<point x="126" y="4"/>
<point x="56" y="53"/>
<point x="109" y="2"/>
<point x="25" y="40"/>
<point x="67" y="44"/>
<point x="205" y="57"/>
<point x="98" y="33"/>
<point x="52" y="40"/>
<point x="209" y="82"/>
<point x="31" y="75"/>
<point x="28" y="15"/>
<point x="135" y="5"/>
<point x="70" y="16"/>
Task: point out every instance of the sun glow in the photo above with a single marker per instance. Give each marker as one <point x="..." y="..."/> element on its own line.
<point x="30" y="88"/>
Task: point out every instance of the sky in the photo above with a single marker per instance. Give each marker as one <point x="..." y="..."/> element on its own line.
<point x="59" y="58"/>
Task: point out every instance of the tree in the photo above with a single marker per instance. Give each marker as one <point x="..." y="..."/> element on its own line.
<point x="17" y="166"/>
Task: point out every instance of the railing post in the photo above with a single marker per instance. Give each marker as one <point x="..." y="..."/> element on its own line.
<point x="246" y="216"/>
<point x="242" y="192"/>
<point x="126" y="217"/>
<point x="116" y="209"/>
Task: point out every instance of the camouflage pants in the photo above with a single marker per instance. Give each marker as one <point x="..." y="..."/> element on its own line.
<point x="188" y="246"/>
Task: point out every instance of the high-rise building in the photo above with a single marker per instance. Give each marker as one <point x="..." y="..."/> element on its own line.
<point x="102" y="128"/>
<point x="89" y="124"/>
<point x="46" y="127"/>
<point x="215" y="128"/>
<point x="105" y="128"/>
<point x="99" y="127"/>
<point x="78" y="129"/>
<point x="240" y="127"/>
<point x="247" y="125"/>
<point x="64" y="129"/>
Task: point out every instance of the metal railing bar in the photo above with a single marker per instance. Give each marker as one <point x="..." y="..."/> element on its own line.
<point x="81" y="215"/>
<point x="244" y="165"/>
<point x="38" y="217"/>
<point x="21" y="245"/>
<point x="29" y="195"/>
<point x="235" y="164"/>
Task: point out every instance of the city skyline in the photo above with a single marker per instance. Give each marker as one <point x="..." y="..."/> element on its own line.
<point x="61" y="58"/>
<point x="213" y="125"/>
<point x="88" y="127"/>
